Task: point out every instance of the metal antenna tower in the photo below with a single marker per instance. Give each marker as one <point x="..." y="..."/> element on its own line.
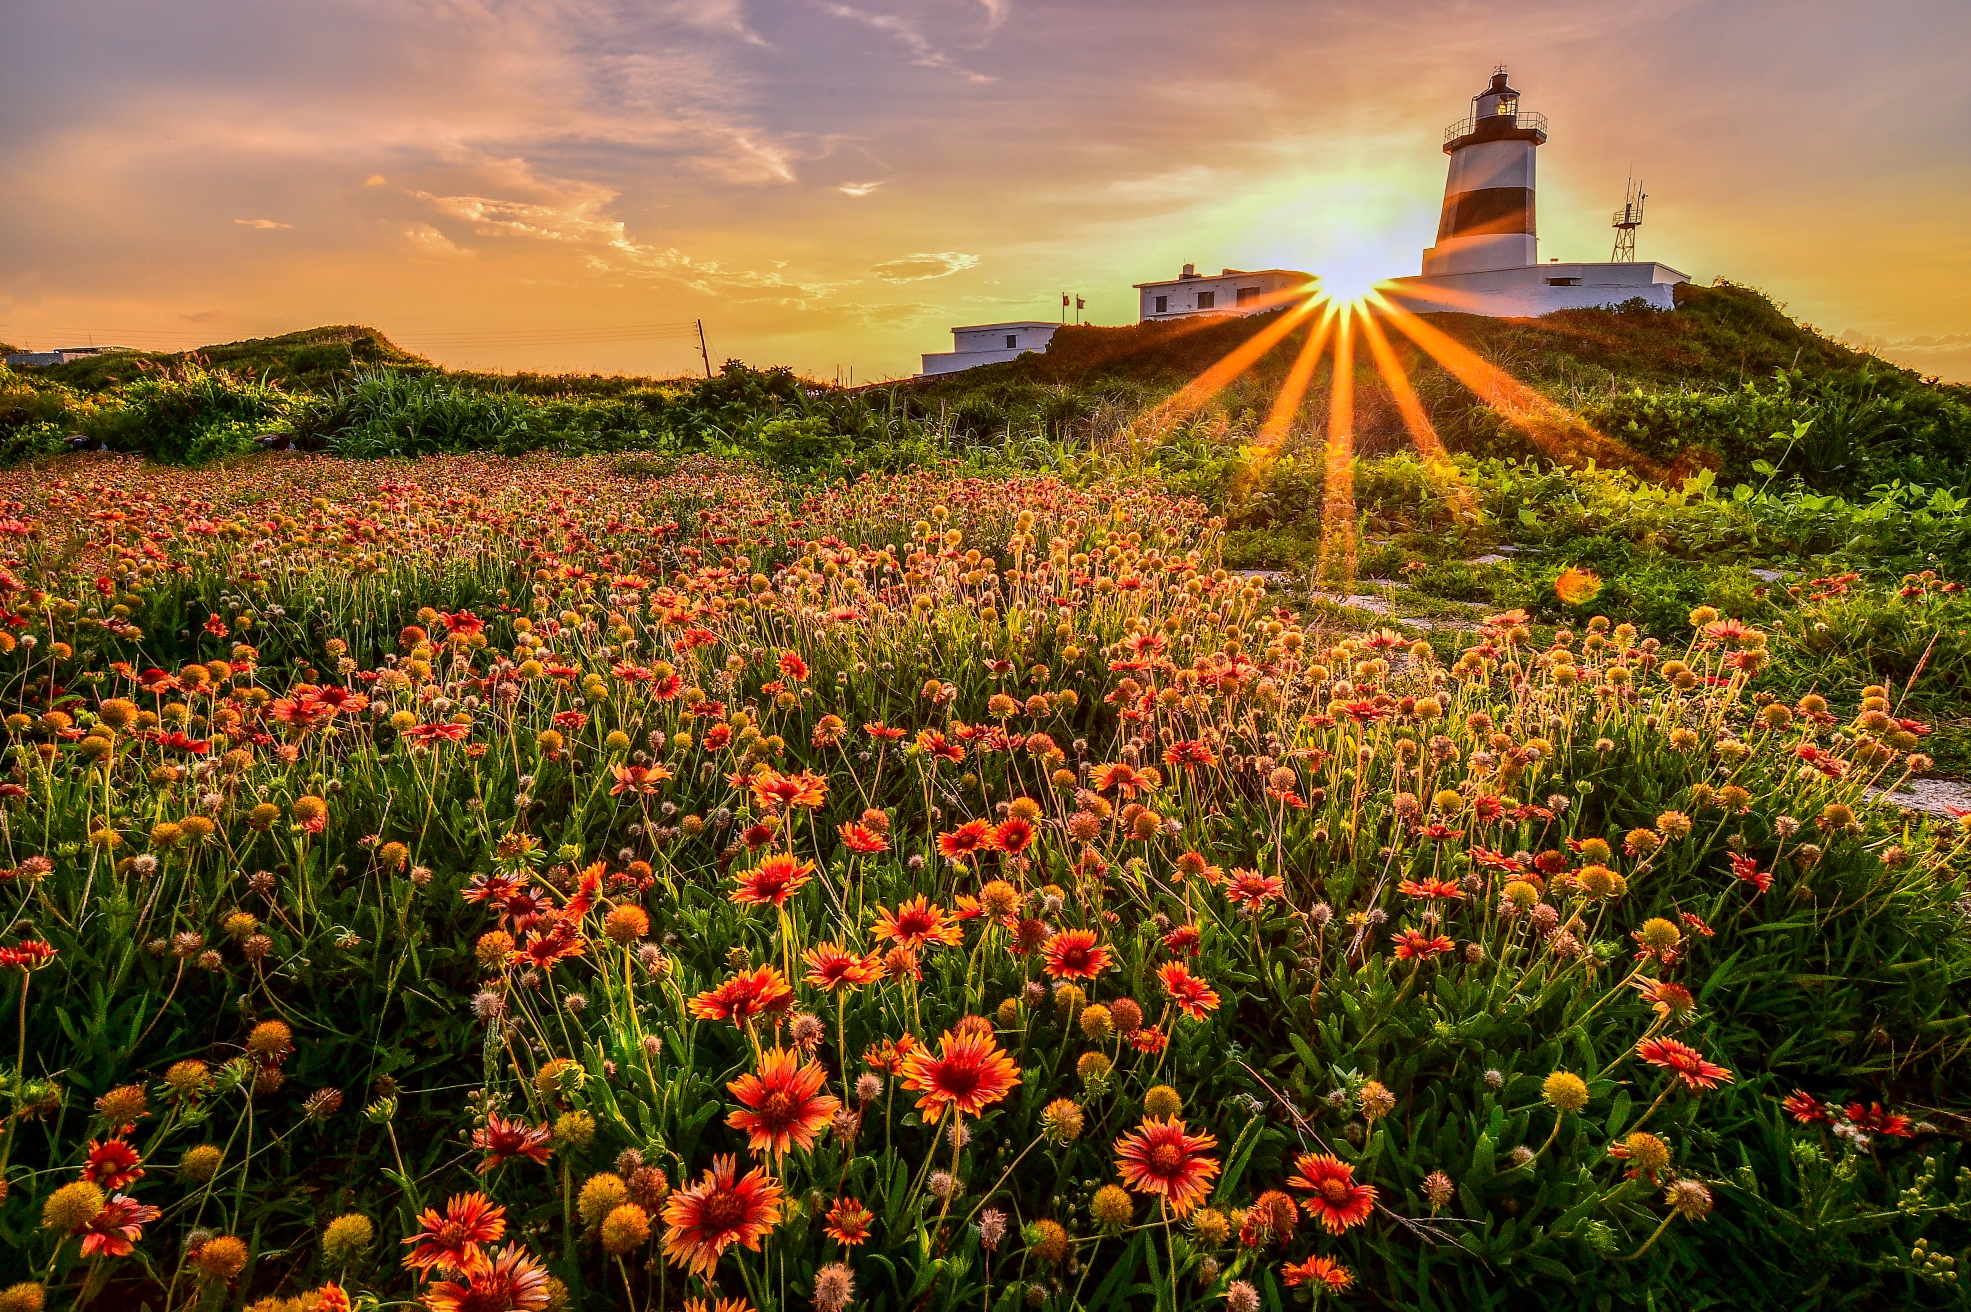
<point x="1627" y="220"/>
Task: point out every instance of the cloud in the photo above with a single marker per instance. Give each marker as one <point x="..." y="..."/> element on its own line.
<point x="996" y="11"/>
<point x="910" y="34"/>
<point x="572" y="213"/>
<point x="264" y="224"/>
<point x="1944" y="355"/>
<point x="376" y="180"/>
<point x="858" y="188"/>
<point x="204" y="316"/>
<point x="924" y="266"/>
<point x="427" y="238"/>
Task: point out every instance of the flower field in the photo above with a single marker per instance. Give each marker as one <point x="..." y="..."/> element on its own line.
<point x="494" y="884"/>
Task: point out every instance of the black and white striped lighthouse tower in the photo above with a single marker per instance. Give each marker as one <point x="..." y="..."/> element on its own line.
<point x="1488" y="196"/>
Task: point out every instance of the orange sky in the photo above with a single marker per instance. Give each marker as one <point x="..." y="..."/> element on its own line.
<point x="537" y="184"/>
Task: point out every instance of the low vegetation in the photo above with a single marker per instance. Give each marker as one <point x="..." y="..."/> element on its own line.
<point x="733" y="844"/>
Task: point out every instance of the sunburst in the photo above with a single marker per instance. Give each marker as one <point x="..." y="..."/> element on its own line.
<point x="1333" y="309"/>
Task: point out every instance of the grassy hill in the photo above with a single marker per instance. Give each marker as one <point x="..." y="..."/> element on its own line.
<point x="1726" y="381"/>
<point x="314" y="357"/>
<point x="1715" y="379"/>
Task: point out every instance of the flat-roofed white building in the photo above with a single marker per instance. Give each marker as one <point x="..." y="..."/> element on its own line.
<point x="1233" y="291"/>
<point x="990" y="343"/>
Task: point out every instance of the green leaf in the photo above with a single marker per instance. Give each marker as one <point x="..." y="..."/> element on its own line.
<point x="1618" y="1115"/>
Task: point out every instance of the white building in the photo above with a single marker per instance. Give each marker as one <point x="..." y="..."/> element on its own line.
<point x="990" y="343"/>
<point x="60" y="355"/>
<point x="1486" y="260"/>
<point x="1230" y="292"/>
<point x="1234" y="291"/>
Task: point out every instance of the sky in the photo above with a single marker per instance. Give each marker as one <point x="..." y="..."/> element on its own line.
<point x="571" y="184"/>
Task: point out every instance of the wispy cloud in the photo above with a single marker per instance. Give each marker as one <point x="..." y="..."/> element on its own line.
<point x="858" y="188"/>
<point x="924" y="266"/>
<point x="266" y="225"/>
<point x="910" y="34"/>
<point x="573" y="213"/>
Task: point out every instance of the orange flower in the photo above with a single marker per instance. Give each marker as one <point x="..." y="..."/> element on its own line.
<point x="848" y="1222"/>
<point x="915" y="923"/>
<point x="971" y="837"/>
<point x="450" y="1242"/>
<point x="1338" y="1203"/>
<point x="1189" y="752"/>
<point x="1684" y="1061"/>
<point x="1249" y="888"/>
<point x="744" y="996"/>
<point x="1013" y="836"/>
<point x="1073" y="954"/>
<point x="719" y="1211"/>
<point x="1160" y="1158"/>
<point x="832" y="966"/>
<point x="503" y="1139"/>
<point x="1444" y="888"/>
<point x="1125" y="780"/>
<point x="861" y="838"/>
<point x="1412" y="944"/>
<point x="890" y="1055"/>
<point x="113" y="1164"/>
<point x="1319" y="1270"/>
<point x="783" y="1103"/>
<point x="116" y="1227"/>
<point x="774" y="791"/>
<point x="1192" y="995"/>
<point x="512" y="1281"/>
<point x="773" y="881"/>
<point x="969" y="1074"/>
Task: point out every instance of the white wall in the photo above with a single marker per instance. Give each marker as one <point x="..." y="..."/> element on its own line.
<point x="992" y="337"/>
<point x="1531" y="292"/>
<point x="1490" y="164"/>
<point x="1182" y="295"/>
<point x="951" y="362"/>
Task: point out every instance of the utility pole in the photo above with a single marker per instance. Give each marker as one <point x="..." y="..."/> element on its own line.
<point x="703" y="353"/>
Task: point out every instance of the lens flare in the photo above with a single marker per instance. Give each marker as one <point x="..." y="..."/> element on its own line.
<point x="1577" y="586"/>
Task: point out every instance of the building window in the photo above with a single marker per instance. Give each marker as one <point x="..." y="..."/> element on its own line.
<point x="1163" y="305"/>
<point x="1012" y="340"/>
<point x="1247" y="295"/>
<point x="1563" y="282"/>
<point x="1207" y="300"/>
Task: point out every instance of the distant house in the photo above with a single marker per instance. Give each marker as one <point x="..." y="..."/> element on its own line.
<point x="990" y="343"/>
<point x="60" y="355"/>
<point x="1234" y="291"/>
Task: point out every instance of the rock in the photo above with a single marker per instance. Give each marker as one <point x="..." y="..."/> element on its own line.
<point x="1945" y="798"/>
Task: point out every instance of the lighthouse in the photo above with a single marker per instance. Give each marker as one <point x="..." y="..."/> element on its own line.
<point x="1487" y="260"/>
<point x="1488" y="218"/>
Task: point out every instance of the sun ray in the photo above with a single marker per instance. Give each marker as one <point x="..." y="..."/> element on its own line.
<point x="1294" y="387"/>
<point x="1437" y="461"/>
<point x="1286" y="404"/>
<point x="1338" y="548"/>
<point x="1556" y="430"/>
<point x="1235" y="362"/>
